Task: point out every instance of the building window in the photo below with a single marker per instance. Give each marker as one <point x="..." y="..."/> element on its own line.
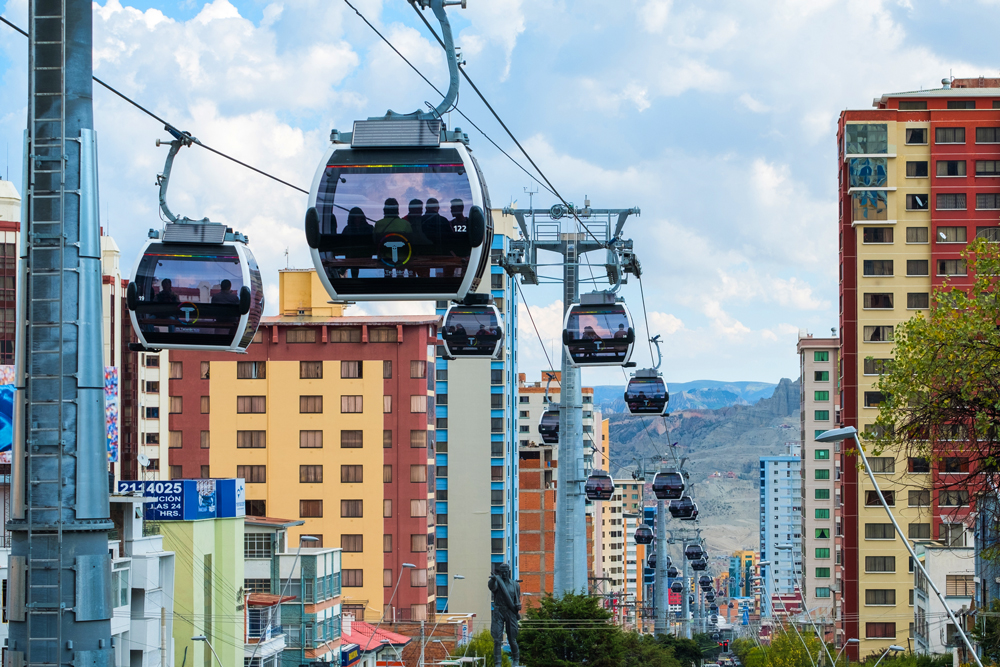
<point x="988" y="135"/>
<point x="822" y="533"/>
<point x="387" y="404"/>
<point x="205" y="439"/>
<point x="441" y="399"/>
<point x="251" y="404"/>
<point x="987" y="167"/>
<point x="496" y="376"/>
<point x="251" y="370"/>
<point x="418" y="473"/>
<point x="351" y="404"/>
<point x="951" y="267"/>
<point x="917" y="202"/>
<point x="351" y="439"/>
<point x="310" y="474"/>
<point x="990" y="234"/>
<point x="952" y="168"/>
<point x="387" y="439"/>
<point x="961" y="104"/>
<point x="821" y="396"/>
<point x="822" y="513"/>
<point x="176" y="439"/>
<point x="912" y="105"/>
<point x="152" y="361"/>
<point x="918" y="498"/>
<point x="880" y="630"/>
<point x="387" y="474"/>
<point x="916" y="235"/>
<point x="960" y="584"/>
<point x="382" y="335"/>
<point x="916" y="169"/>
<point x="310" y="404"/>
<point x="877" y="267"/>
<point x="176" y="405"/>
<point x="496" y="401"/>
<point x="176" y="472"/>
<point x="880" y="596"/>
<point x="387" y="508"/>
<point x="949" y="135"/>
<point x="496" y="497"/>
<point x="988" y="201"/>
<point x="879" y="531"/>
<point x="871" y="498"/>
<point x="152" y="387"/>
<point x="873" y="399"/>
<point x="256" y="508"/>
<point x="351" y="509"/>
<point x="822" y="552"/>
<point x="350" y="369"/>
<point x="352" y="578"/>
<point x="176" y="370"/>
<point x="952" y="534"/>
<point x="257" y="545"/>
<point x="954" y="464"/>
<point x="877" y="235"/>
<point x="880" y="563"/>
<point x="821" y="415"/>
<point x="821" y="494"/>
<point x="919" y="531"/>
<point x="953" y="201"/>
<point x="919" y="464"/>
<point x="310" y="370"/>
<point x="418" y="403"/>
<point x="917" y="267"/>
<point x="418" y="578"/>
<point x="251" y="439"/>
<point x="345" y="335"/>
<point x="353" y="544"/>
<point x="151" y="438"/>
<point x="953" y="498"/>
<point x="821" y="376"/>
<point x="867" y="139"/>
<point x="300" y="335"/>
<point x="309" y="509"/>
<point x="821" y="473"/>
<point x="496" y="425"/>
<point x="878" y="334"/>
<point x="418" y="543"/>
<point x="252" y="474"/>
<point x="821" y="454"/>
<point x="917" y="135"/>
<point x="882" y="464"/>
<point x="311" y="439"/>
<point x="418" y="508"/>
<point x="823" y="592"/>
<point x="881" y="301"/>
<point x="352" y="474"/>
<point x="918" y="300"/>
<point x="418" y="439"/>
<point x="822" y="573"/>
<point x="821" y="356"/>
<point x="418" y="369"/>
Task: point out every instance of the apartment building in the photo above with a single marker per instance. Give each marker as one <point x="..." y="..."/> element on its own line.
<point x="10" y="230"/>
<point x="780" y="526"/>
<point x="821" y="519"/>
<point x="531" y="402"/>
<point x="320" y="407"/>
<point x="917" y="183"/>
<point x="476" y="408"/>
<point x="537" y="521"/>
<point x="953" y="571"/>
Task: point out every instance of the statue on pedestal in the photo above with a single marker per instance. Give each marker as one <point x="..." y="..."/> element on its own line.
<point x="506" y="612"/>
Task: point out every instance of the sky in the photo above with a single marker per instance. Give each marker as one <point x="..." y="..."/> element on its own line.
<point x="717" y="119"/>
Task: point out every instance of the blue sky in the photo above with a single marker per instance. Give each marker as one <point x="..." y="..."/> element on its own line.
<point x="717" y="119"/>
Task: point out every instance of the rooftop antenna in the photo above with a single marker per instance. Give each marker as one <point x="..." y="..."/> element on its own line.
<point x="286" y="258"/>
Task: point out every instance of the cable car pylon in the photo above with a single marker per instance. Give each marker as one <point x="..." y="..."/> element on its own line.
<point x="571" y="232"/>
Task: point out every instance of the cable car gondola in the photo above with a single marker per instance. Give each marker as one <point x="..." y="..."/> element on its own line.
<point x="704" y="581"/>
<point x="699" y="565"/>
<point x="672" y="572"/>
<point x="548" y="425"/>
<point x="643" y="534"/>
<point x="646" y="393"/>
<point x="599" y="485"/>
<point x="196" y="285"/>
<point x="693" y="515"/>
<point x="693" y="551"/>
<point x="651" y="561"/>
<point x="681" y="508"/>
<point x="677" y="587"/>
<point x="472" y="330"/>
<point x="668" y="485"/>
<point x="598" y="331"/>
<point x="714" y="609"/>
<point x="398" y="209"/>
<point x="709" y="597"/>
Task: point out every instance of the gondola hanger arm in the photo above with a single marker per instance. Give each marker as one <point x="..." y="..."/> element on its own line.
<point x="180" y="139"/>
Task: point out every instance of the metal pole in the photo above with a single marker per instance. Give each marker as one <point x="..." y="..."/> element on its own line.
<point x="60" y="513"/>
<point x="913" y="555"/>
<point x="662" y="603"/>
<point x="571" y="520"/>
<point x="685" y="593"/>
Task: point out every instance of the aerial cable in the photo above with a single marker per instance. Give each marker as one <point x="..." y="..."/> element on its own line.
<point x="645" y="318"/>
<point x="530" y="317"/>
<point x="455" y="106"/>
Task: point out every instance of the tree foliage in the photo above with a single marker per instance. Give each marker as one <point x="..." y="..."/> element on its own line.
<point x="481" y="645"/>
<point x="785" y="650"/>
<point x="941" y="393"/>
<point x="987" y="633"/>
<point x="687" y="651"/>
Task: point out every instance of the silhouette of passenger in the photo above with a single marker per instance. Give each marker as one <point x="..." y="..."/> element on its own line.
<point x="435" y="226"/>
<point x="357" y="238"/>
<point x="166" y="293"/>
<point x="226" y="295"/>
<point x="621" y="333"/>
<point x="391" y="222"/>
<point x="459" y="241"/>
<point x="590" y="334"/>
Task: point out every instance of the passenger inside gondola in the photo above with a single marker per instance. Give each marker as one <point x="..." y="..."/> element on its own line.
<point x="359" y="238"/>
<point x="166" y="293"/>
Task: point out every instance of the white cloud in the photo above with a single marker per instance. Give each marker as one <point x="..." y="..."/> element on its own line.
<point x="498" y="22"/>
<point x="751" y="103"/>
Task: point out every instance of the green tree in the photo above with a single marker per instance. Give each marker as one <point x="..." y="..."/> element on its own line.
<point x="941" y="393"/>
<point x="987" y="633"/>
<point x="645" y="651"/>
<point x="686" y="651"/>
<point x="481" y="645"/>
<point x="568" y="631"/>
<point x="785" y="650"/>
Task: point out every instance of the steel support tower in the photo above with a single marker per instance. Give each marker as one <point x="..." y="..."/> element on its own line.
<point x="584" y="230"/>
<point x="60" y="600"/>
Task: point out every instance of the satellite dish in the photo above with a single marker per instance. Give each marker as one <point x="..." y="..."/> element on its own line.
<point x="143" y="460"/>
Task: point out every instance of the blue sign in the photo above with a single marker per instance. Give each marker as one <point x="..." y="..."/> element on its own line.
<point x="746" y="616"/>
<point x="190" y="499"/>
<point x="350" y="655"/>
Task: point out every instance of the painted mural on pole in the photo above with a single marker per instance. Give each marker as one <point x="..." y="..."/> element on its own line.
<point x="111" y="411"/>
<point x="6" y="413"/>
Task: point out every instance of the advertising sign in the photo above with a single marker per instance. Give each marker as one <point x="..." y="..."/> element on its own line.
<point x="189" y="499"/>
<point x="350" y="655"/>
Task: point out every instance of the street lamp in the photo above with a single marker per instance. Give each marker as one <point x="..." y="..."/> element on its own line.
<point x="284" y="589"/>
<point x="447" y="601"/>
<point x="795" y="577"/>
<point x="839" y="434"/>
<point x="388" y="642"/>
<point x="404" y="566"/>
<point x="849" y="641"/>
<point x="892" y="648"/>
<point x="203" y="638"/>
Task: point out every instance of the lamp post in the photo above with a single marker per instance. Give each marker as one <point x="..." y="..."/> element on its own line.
<point x="849" y="641"/>
<point x="404" y="566"/>
<point x="281" y="594"/>
<point x="892" y="648"/>
<point x="447" y="601"/>
<point x="387" y="642"/>
<point x="838" y="434"/>
<point x="203" y="638"/>
<point x="795" y="577"/>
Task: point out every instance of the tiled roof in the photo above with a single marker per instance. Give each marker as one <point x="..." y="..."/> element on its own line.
<point x="361" y="634"/>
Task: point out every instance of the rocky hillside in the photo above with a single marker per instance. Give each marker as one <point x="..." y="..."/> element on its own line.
<point x="721" y="447"/>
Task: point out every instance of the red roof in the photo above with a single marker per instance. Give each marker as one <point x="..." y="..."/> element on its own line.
<point x="361" y="634"/>
<point x="267" y="599"/>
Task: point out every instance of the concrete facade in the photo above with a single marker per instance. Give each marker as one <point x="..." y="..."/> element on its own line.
<point x="781" y="524"/>
<point x="953" y="571"/>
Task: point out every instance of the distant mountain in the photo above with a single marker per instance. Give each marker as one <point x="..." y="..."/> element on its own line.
<point x="697" y="395"/>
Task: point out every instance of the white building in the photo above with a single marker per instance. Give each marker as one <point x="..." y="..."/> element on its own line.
<point x="780" y="525"/>
<point x="263" y="635"/>
<point x="952" y="569"/>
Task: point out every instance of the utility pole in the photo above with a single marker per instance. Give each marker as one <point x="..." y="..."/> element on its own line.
<point x="60" y="570"/>
<point x="584" y="230"/>
<point x="661" y="589"/>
